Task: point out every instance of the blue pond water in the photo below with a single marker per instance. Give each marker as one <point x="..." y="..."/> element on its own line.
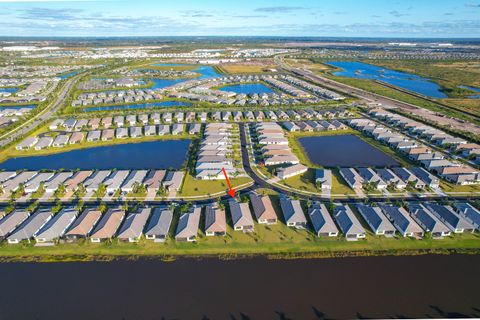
<point x="70" y="74"/>
<point x="403" y="80"/>
<point x="29" y="106"/>
<point x="248" y="88"/>
<point x="145" y="155"/>
<point x="475" y="96"/>
<point x="163" y="104"/>
<point x="10" y="90"/>
<point x="344" y="151"/>
<point x="204" y="71"/>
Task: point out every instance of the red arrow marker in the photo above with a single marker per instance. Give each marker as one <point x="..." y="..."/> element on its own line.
<point x="231" y="191"/>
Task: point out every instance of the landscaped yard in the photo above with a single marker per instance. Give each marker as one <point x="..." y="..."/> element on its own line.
<point x="195" y="187"/>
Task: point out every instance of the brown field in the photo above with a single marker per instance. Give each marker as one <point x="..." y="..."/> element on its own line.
<point x="245" y="68"/>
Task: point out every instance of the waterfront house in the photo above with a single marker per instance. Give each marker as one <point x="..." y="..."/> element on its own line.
<point x="173" y="180"/>
<point x="215" y="220"/>
<point x="293" y="212"/>
<point x="52" y="185"/>
<point x="324" y="178"/>
<point x="14" y="183"/>
<point x="76" y="137"/>
<point x="43" y="143"/>
<point x="27" y="143"/>
<point x="72" y="183"/>
<point x="178" y="128"/>
<point x="159" y="224"/>
<point x="154" y="179"/>
<point x="263" y="209"/>
<point x="428" y="221"/>
<point x="371" y="177"/>
<point x="150" y="130"/>
<point x="376" y="220"/>
<point x="353" y="179"/>
<point x="12" y="221"/>
<point x="132" y="228"/>
<point x="187" y="227"/>
<point x="93" y="135"/>
<point x="322" y="222"/>
<point x="108" y="225"/>
<point x="241" y="216"/>
<point x="455" y="222"/>
<point x="391" y="178"/>
<point x="290" y="171"/>
<point x="82" y="227"/>
<point x="348" y="223"/>
<point x="163" y="129"/>
<point x="121" y="133"/>
<point x="92" y="183"/>
<point x="136" y="132"/>
<point x="31" y="226"/>
<point x="194" y="128"/>
<point x="134" y="178"/>
<point x="115" y="180"/>
<point x="61" y="140"/>
<point x="469" y="212"/>
<point x="34" y="184"/>
<point x="57" y="226"/>
<point x="402" y="221"/>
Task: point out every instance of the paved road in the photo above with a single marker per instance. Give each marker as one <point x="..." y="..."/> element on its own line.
<point x="45" y="114"/>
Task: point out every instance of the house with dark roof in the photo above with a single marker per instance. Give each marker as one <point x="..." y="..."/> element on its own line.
<point x="402" y="221"/>
<point x="376" y="220"/>
<point x="428" y="221"/>
<point x="322" y="222"/>
<point x="293" y="212"/>
<point x="159" y="224"/>
<point x="469" y="212"/>
<point x="455" y="222"/>
<point x="347" y="221"/>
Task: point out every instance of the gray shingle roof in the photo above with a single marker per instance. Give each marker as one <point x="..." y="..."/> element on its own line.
<point x="160" y="222"/>
<point x="133" y="226"/>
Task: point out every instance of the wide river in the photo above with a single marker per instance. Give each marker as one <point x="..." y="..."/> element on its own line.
<point x="378" y="287"/>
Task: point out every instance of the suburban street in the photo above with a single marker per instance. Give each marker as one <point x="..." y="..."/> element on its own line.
<point x="42" y="116"/>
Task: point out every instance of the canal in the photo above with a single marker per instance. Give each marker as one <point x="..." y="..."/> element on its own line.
<point x="162" y="154"/>
<point x="377" y="287"/>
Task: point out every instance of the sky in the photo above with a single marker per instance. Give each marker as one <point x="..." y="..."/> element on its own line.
<point x="324" y="18"/>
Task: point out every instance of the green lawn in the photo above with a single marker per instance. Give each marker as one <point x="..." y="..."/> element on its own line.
<point x="270" y="240"/>
<point x="194" y="187"/>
